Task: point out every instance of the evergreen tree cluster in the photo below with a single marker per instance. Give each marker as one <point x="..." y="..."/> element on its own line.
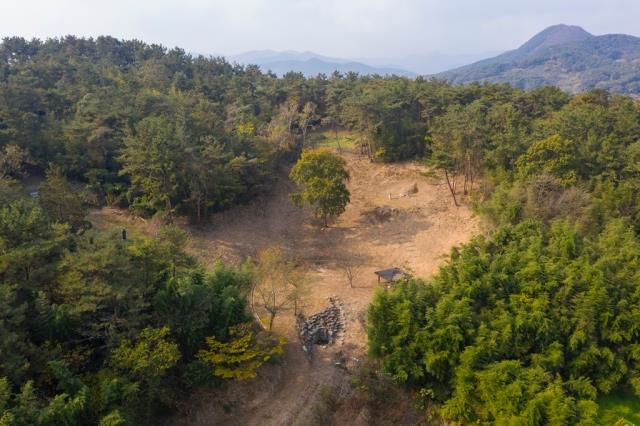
<point x="532" y="322"/>
<point x="527" y="327"/>
<point x="158" y="130"/>
<point x="97" y="329"/>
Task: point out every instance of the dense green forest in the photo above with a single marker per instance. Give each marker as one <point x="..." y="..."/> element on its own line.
<point x="98" y="328"/>
<point x="532" y="323"/>
<point x="527" y="325"/>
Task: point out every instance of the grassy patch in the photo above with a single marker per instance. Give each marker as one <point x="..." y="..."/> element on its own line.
<point x="108" y="218"/>
<point x="619" y="406"/>
<point x="343" y="140"/>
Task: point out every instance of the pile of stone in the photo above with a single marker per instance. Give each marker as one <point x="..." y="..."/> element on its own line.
<point x="380" y="214"/>
<point x="322" y="328"/>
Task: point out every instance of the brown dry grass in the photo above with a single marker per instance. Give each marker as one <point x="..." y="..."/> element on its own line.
<point x="417" y="236"/>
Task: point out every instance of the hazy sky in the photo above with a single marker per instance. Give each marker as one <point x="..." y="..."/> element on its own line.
<point x="346" y="28"/>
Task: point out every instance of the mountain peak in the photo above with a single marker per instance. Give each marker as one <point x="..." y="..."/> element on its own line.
<point x="564" y="56"/>
<point x="554" y="35"/>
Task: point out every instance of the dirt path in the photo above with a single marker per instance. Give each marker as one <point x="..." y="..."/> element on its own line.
<point x="381" y="228"/>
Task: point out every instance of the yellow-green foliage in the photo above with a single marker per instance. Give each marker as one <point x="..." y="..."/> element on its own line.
<point x="528" y="327"/>
<point x="554" y="155"/>
<point x="243" y="354"/>
<point x="150" y="357"/>
<point x="112" y="419"/>
<point x="343" y="140"/>
<point x="323" y="177"/>
<point x="619" y="408"/>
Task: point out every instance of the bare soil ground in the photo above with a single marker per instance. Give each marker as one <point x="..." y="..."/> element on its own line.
<point x="382" y="227"/>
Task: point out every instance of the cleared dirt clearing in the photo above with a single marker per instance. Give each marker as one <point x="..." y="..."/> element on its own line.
<point x="386" y="224"/>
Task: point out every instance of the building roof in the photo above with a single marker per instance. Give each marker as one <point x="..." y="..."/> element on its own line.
<point x="391" y="274"/>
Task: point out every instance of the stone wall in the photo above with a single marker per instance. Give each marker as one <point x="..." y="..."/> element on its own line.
<point x="322" y="328"/>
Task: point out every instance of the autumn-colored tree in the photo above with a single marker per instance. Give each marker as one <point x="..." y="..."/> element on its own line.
<point x="13" y="161"/>
<point x="240" y="357"/>
<point x="146" y="361"/>
<point x="279" y="286"/>
<point x="149" y="357"/>
<point x="280" y="130"/>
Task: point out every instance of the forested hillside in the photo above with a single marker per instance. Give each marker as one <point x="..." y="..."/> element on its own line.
<point x="534" y="322"/>
<point x="529" y="324"/>
<point x="144" y="126"/>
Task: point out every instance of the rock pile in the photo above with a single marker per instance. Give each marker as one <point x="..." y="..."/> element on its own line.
<point x="380" y="214"/>
<point x="322" y="328"/>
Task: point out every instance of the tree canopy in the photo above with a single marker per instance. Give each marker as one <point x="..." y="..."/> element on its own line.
<point x="323" y="177"/>
<point x="98" y="329"/>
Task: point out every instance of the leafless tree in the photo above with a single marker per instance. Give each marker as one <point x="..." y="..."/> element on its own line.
<point x="307" y="115"/>
<point x="280" y="128"/>
<point x="278" y="286"/>
<point x="300" y="286"/>
<point x="351" y="269"/>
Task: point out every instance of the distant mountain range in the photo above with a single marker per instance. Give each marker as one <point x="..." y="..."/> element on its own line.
<point x="565" y="56"/>
<point x="431" y="63"/>
<point x="312" y="64"/>
<point x="562" y="55"/>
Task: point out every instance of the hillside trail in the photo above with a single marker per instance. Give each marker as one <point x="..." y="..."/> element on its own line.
<point x="385" y="225"/>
